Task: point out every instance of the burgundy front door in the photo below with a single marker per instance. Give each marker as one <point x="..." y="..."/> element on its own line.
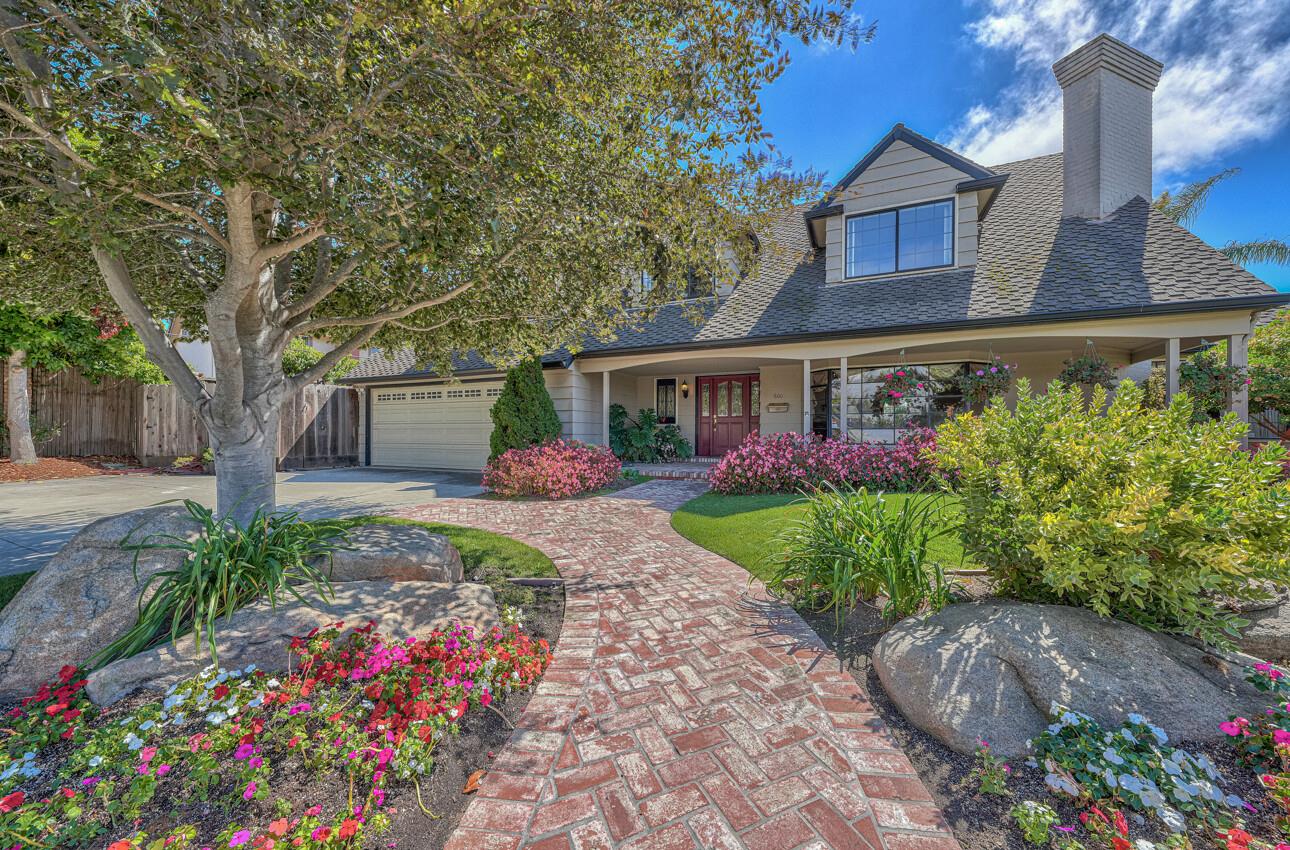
<point x="728" y="411"/>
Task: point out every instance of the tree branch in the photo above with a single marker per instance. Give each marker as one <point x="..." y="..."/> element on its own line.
<point x="56" y="143"/>
<point x="383" y="317"/>
<point x="277" y="250"/>
<point x="330" y="359"/>
<point x="158" y="344"/>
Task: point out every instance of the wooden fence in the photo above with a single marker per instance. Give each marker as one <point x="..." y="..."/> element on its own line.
<point x="319" y="427"/>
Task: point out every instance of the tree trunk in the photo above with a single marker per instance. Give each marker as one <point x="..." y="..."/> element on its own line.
<point x="22" y="448"/>
<point x="245" y="471"/>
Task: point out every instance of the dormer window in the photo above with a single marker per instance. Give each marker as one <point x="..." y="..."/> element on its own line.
<point x="898" y="240"/>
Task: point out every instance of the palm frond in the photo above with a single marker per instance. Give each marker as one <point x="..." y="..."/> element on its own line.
<point x="1259" y="251"/>
<point x="1183" y="207"/>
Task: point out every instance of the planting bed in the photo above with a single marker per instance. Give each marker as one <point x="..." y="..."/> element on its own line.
<point x="981" y="821"/>
<point x="366" y="742"/>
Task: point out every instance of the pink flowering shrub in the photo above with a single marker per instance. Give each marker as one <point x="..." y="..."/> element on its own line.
<point x="554" y="470"/>
<point x="786" y="463"/>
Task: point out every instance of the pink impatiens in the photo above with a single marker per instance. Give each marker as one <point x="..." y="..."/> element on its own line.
<point x="554" y="470"/>
<point x="786" y="463"/>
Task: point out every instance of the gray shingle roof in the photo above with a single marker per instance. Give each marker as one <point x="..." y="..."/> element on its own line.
<point x="1032" y="266"/>
<point x="380" y="364"/>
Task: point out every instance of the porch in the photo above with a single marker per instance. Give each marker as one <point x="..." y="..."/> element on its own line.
<point x="828" y="387"/>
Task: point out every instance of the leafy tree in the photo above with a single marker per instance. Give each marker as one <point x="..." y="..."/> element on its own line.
<point x="1185" y="206"/>
<point x="300" y="356"/>
<point x="1270" y="370"/>
<point x="399" y="173"/>
<point x="97" y="346"/>
<point x="523" y="414"/>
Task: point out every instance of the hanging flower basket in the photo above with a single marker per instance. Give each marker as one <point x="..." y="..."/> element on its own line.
<point x="981" y="385"/>
<point x="895" y="386"/>
<point x="1089" y="370"/>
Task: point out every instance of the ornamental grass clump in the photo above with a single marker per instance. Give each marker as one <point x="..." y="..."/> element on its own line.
<point x="853" y="546"/>
<point x="227" y="566"/>
<point x="1139" y="514"/>
<point x="554" y="470"/>
<point x="789" y="463"/>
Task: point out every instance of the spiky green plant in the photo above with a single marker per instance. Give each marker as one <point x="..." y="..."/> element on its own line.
<point x="226" y="567"/>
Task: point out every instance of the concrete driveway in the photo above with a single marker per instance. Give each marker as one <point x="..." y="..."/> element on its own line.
<point x="38" y="517"/>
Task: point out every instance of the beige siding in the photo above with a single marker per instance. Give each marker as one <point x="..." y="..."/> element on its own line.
<point x="362" y="426"/>
<point x="902" y="175"/>
<point x="576" y="403"/>
<point x="780" y="384"/>
<point x="833" y="270"/>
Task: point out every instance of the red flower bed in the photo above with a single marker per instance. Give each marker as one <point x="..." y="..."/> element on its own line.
<point x="787" y="463"/>
<point x="555" y="470"/>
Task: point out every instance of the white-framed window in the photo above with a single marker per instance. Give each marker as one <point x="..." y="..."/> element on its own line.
<point x="909" y="238"/>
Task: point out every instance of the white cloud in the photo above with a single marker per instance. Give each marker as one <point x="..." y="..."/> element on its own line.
<point x="1225" y="82"/>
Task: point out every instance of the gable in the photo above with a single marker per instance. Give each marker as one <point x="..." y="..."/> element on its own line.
<point x="902" y="138"/>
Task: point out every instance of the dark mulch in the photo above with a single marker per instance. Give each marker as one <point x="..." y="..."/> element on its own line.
<point x="53" y="468"/>
<point x="981" y="821"/>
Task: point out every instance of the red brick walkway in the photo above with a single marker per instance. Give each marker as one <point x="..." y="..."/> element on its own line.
<point x="683" y="709"/>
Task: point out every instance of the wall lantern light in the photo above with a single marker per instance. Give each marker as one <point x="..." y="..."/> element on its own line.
<point x="685" y="388"/>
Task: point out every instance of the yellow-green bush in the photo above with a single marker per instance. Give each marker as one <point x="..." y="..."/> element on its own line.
<point x="1136" y="513"/>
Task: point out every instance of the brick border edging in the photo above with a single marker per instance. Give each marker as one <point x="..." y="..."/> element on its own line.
<point x="540" y="793"/>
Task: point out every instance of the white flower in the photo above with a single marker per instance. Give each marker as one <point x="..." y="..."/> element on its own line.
<point x="1137" y="719"/>
<point x="1172" y="819"/>
<point x="215" y="718"/>
<point x="1128" y="736"/>
<point x="1112" y="756"/>
<point x="133" y="741"/>
<point x="96" y="761"/>
<point x="1060" y="783"/>
<point x="273" y="683"/>
<point x="146" y="725"/>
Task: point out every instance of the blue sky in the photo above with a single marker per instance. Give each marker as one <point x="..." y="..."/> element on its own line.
<point x="974" y="74"/>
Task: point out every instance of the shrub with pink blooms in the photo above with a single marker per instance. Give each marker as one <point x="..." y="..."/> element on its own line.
<point x="787" y="463"/>
<point x="554" y="470"/>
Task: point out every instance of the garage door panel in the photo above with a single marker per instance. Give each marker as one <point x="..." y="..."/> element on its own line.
<point x="434" y="427"/>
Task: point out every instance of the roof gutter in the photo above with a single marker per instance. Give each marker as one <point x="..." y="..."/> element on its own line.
<point x="562" y="361"/>
<point x="1253" y="302"/>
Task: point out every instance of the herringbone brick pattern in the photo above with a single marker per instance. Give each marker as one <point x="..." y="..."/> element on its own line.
<point x="684" y="708"/>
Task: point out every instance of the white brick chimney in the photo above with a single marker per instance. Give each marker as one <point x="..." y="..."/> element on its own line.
<point x="1106" y="125"/>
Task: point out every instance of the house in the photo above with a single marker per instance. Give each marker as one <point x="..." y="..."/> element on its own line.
<point x="919" y="258"/>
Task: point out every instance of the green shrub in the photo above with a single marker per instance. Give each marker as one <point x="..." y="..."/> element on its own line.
<point x="226" y="567"/>
<point x="1139" y="514"/>
<point x="643" y="440"/>
<point x="523" y="414"/>
<point x="851" y="546"/>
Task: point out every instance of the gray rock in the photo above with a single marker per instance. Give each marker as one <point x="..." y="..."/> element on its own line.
<point x="395" y="553"/>
<point x="992" y="670"/>
<point x="260" y="635"/>
<point x="1268" y="635"/>
<point x="85" y="597"/>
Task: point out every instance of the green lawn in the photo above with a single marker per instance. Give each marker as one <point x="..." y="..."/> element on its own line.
<point x="499" y="557"/>
<point x="10" y="585"/>
<point x="742" y="528"/>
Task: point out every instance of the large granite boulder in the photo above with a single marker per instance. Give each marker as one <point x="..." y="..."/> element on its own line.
<point x="991" y="670"/>
<point x="260" y="635"/>
<point x="85" y="597"/>
<point x="387" y="552"/>
<point x="1268" y="634"/>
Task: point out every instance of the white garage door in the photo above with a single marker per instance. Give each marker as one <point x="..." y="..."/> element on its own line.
<point x="443" y="427"/>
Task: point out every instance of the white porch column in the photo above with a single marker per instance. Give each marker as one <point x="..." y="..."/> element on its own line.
<point x="1173" y="356"/>
<point x="842" y="402"/>
<point x="806" y="397"/>
<point x="1238" y="355"/>
<point x="604" y="408"/>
